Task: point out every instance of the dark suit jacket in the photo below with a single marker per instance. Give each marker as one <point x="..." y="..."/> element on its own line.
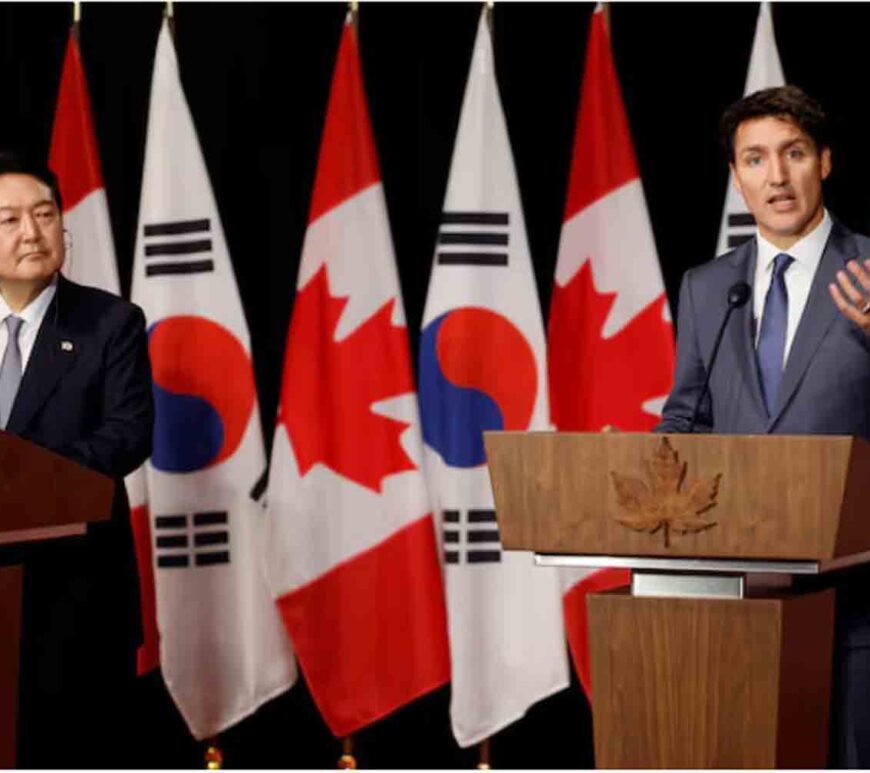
<point x="825" y="389"/>
<point x="91" y="402"/>
<point x="826" y="380"/>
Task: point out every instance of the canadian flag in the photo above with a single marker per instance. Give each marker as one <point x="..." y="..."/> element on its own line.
<point x="610" y="338"/>
<point x="765" y="71"/>
<point x="352" y="556"/>
<point x="74" y="159"/>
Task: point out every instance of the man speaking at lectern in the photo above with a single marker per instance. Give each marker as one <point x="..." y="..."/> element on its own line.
<point x="75" y="379"/>
<point x="795" y="356"/>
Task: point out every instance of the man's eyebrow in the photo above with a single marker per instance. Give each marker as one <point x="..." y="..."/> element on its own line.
<point x="758" y="148"/>
<point x="796" y="141"/>
<point x="40" y="203"/>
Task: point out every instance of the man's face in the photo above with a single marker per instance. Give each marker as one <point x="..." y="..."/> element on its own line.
<point x="779" y="171"/>
<point x="31" y="231"/>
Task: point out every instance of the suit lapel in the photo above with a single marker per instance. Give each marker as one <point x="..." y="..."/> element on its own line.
<point x="741" y="325"/>
<point x="54" y="352"/>
<point x="819" y="313"/>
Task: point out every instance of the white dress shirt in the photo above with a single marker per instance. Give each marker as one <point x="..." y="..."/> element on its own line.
<point x="807" y="254"/>
<point x="32" y="314"/>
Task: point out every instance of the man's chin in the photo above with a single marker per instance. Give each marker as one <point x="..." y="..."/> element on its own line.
<point x="29" y="278"/>
<point x="37" y="270"/>
<point x="786" y="228"/>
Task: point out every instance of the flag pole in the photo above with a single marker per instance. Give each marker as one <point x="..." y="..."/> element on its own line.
<point x="483" y="755"/>
<point x="353" y="13"/>
<point x="605" y="10"/>
<point x="214" y="757"/>
<point x="169" y="13"/>
<point x="347" y="761"/>
<point x="483" y="746"/>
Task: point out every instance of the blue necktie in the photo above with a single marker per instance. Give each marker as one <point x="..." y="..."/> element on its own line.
<point x="771" y="337"/>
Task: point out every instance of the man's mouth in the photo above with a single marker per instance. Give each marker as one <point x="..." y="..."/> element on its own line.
<point x="782" y="201"/>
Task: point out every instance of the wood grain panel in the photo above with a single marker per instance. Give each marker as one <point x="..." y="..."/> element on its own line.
<point x="10" y="650"/>
<point x="702" y="683"/>
<point x="787" y="497"/>
<point x="805" y="680"/>
<point x="39" y="488"/>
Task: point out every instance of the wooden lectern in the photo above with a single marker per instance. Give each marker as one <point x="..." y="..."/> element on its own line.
<point x="712" y="658"/>
<point x="43" y="496"/>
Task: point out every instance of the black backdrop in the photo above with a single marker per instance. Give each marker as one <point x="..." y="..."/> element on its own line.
<point x="257" y="77"/>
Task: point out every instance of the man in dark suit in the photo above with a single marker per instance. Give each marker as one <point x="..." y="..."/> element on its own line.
<point x="796" y="358"/>
<point x="75" y="379"/>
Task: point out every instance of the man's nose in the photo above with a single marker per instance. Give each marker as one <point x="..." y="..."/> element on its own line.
<point x="778" y="171"/>
<point x="29" y="228"/>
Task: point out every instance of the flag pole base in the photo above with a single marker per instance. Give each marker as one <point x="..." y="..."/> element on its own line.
<point x="214" y="757"/>
<point x="347" y="761"/>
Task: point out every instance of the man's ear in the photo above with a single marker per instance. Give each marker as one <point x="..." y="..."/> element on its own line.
<point x="826" y="163"/>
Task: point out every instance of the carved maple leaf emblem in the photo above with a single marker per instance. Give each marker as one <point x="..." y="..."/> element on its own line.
<point x="660" y="503"/>
<point x="596" y="381"/>
<point x="329" y="388"/>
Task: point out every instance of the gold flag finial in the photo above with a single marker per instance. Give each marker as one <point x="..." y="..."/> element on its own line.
<point x="170" y="11"/>
<point x="77" y="12"/>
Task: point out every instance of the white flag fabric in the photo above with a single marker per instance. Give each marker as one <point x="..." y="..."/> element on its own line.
<point x="352" y="553"/>
<point x="483" y="366"/>
<point x="75" y="160"/>
<point x="765" y="71"/>
<point x="223" y="650"/>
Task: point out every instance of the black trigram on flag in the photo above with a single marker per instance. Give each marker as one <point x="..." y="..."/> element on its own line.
<point x="472" y="540"/>
<point x="178" y="247"/>
<point x="201" y="540"/>
<point x="473" y="239"/>
<point x="741" y="228"/>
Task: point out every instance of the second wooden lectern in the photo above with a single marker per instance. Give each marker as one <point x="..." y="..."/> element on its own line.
<point x="711" y="659"/>
<point x="43" y="496"/>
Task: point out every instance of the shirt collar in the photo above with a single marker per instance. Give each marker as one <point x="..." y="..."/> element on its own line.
<point x="807" y="252"/>
<point x="35" y="310"/>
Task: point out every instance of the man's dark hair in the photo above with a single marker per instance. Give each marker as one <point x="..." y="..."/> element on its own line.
<point x="12" y="162"/>
<point x="787" y="102"/>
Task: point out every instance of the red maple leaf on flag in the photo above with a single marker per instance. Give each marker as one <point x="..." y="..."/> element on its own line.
<point x="329" y="388"/>
<point x="596" y="381"/>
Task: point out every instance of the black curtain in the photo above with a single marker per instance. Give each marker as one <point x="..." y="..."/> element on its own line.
<point x="257" y="76"/>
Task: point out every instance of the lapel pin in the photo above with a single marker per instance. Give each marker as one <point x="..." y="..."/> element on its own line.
<point x="66" y="346"/>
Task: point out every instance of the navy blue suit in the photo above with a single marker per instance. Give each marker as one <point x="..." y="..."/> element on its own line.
<point x="826" y="381"/>
<point x="825" y="389"/>
<point x="86" y="394"/>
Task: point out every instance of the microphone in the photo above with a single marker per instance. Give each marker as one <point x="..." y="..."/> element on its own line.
<point x="738" y="294"/>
